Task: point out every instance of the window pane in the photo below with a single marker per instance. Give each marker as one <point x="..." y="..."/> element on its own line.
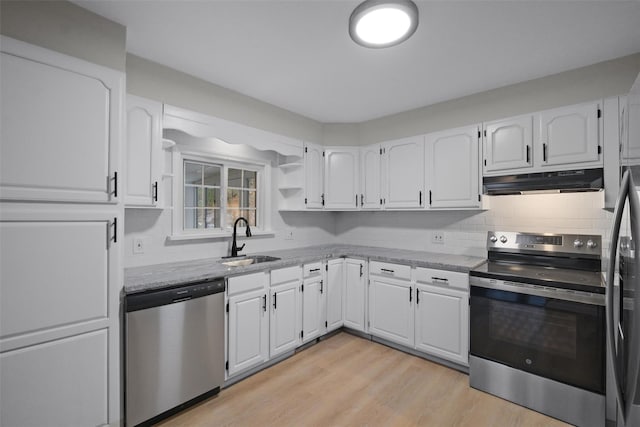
<point x="192" y="196"/>
<point x="212" y="218"/>
<point x="212" y="197"/>
<point x="252" y="217"/>
<point x="212" y="175"/>
<point x="251" y="199"/>
<point x="235" y="178"/>
<point x="191" y="218"/>
<point x="192" y="173"/>
<point x="249" y="179"/>
<point x="232" y="215"/>
<point x="233" y="198"/>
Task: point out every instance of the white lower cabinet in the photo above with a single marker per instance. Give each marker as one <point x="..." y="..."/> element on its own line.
<point x="285" y="322"/>
<point x="248" y="333"/>
<point x="391" y="302"/>
<point x="335" y="294"/>
<point x="355" y="294"/>
<point x="312" y="303"/>
<point x="442" y="314"/>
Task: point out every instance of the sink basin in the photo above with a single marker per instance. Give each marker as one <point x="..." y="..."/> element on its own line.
<point x="254" y="259"/>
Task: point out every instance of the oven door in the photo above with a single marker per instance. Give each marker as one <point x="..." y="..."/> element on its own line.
<point x="554" y="334"/>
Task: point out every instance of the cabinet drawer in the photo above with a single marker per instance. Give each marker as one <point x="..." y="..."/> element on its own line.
<point x="398" y="271"/>
<point x="246" y="283"/>
<point x="283" y="275"/>
<point x="313" y="269"/>
<point x="446" y="278"/>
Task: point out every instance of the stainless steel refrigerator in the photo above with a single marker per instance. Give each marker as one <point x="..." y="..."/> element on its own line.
<point x="623" y="272"/>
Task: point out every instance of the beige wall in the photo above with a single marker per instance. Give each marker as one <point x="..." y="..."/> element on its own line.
<point x="340" y="134"/>
<point x="64" y="27"/>
<point x="596" y="81"/>
<point x="152" y="80"/>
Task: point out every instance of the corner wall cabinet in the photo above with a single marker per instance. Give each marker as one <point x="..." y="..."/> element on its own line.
<point x="403" y="173"/>
<point x="314" y="176"/>
<point x="370" y="177"/>
<point x="143" y="154"/>
<point x="341" y="178"/>
<point x="452" y="173"/>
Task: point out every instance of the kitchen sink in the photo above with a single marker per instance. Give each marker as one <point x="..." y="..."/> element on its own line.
<point x="246" y="260"/>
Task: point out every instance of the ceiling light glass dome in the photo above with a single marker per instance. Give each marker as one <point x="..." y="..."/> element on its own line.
<point x="383" y="23"/>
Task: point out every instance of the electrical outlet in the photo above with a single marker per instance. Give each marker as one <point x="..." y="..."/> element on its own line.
<point x="437" y="237"/>
<point x="138" y="245"/>
<point x="288" y="235"/>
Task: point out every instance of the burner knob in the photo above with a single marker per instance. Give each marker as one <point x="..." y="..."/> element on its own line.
<point x="503" y="239"/>
<point x="591" y="244"/>
<point x="493" y="239"/>
<point x="578" y="243"/>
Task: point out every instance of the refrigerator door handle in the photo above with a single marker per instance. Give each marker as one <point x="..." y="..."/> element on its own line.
<point x="611" y="326"/>
<point x="634" y="340"/>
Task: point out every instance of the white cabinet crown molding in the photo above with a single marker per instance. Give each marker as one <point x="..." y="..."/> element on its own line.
<point x="202" y="125"/>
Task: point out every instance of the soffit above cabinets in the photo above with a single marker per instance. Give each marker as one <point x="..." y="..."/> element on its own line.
<point x="298" y="55"/>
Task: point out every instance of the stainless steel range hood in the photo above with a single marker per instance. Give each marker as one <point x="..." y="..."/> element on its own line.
<point x="545" y="182"/>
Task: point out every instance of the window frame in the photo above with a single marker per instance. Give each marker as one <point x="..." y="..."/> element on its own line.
<point x="263" y="193"/>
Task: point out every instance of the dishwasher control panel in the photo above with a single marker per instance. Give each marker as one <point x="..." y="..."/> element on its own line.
<point x="180" y="293"/>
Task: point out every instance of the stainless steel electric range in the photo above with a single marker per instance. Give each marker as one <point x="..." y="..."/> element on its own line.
<point x="537" y="324"/>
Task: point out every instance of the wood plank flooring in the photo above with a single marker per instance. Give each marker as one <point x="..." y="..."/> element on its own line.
<point x="349" y="381"/>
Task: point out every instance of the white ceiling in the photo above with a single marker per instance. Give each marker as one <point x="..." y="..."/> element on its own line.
<point x="297" y="55"/>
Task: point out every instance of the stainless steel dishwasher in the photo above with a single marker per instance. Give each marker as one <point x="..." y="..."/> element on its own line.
<point x="174" y="344"/>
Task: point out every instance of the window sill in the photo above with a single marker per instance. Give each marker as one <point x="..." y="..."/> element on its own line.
<point x="218" y="236"/>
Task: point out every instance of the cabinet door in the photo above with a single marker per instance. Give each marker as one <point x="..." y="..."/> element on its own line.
<point x="334" y="292"/>
<point x="313" y="173"/>
<point x="248" y="331"/>
<point x="312" y="291"/>
<point x="57" y="383"/>
<point x="442" y="322"/>
<point x="391" y="309"/>
<point x="452" y="168"/>
<point x="403" y="173"/>
<point x="341" y="178"/>
<point x="508" y="144"/>
<point x="285" y="318"/>
<point x="59" y="126"/>
<point x="569" y="135"/>
<point x="354" y="311"/>
<point x="370" y="177"/>
<point x="143" y="156"/>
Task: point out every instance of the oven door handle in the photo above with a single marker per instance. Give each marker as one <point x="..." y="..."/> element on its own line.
<point x="610" y="277"/>
<point x="538" y="291"/>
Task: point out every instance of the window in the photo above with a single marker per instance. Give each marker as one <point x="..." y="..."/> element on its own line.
<point x="216" y="193"/>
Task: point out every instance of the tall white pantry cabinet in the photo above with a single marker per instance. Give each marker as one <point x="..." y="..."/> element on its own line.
<point x="61" y="229"/>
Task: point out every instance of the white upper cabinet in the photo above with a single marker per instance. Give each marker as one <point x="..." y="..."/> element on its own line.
<point x="370" y="177"/>
<point x="451" y="159"/>
<point x="569" y="135"/>
<point x="59" y="127"/>
<point x="508" y="144"/>
<point x="403" y="173"/>
<point x="341" y="178"/>
<point x="313" y="171"/>
<point x="143" y="154"/>
<point x="557" y="139"/>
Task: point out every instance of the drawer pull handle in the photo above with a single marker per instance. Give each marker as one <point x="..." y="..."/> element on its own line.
<point x="440" y="279"/>
<point x="314" y="269"/>
<point x="387" y="271"/>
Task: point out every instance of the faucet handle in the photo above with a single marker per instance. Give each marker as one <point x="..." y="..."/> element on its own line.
<point x="241" y="247"/>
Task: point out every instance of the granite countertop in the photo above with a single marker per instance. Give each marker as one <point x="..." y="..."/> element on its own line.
<point x="139" y="279"/>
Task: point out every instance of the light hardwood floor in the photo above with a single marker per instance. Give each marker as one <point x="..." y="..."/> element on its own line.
<point x="349" y="381"/>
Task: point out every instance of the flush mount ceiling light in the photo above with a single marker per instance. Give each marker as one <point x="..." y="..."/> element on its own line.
<point x="383" y="23"/>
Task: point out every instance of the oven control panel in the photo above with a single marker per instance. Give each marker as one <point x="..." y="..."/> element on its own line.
<point x="544" y="242"/>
